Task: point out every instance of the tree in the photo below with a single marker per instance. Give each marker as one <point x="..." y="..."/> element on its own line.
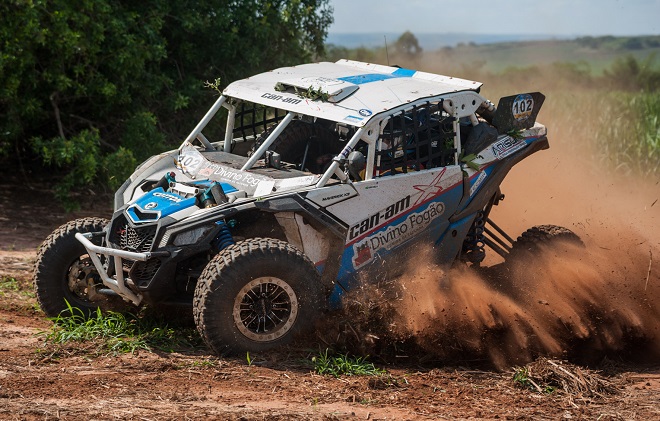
<point x="408" y="46"/>
<point x="94" y="86"/>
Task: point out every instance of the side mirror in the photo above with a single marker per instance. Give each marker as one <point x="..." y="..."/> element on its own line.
<point x="356" y="163"/>
<point x="273" y="159"/>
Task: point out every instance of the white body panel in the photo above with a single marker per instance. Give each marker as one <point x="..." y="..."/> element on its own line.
<point x="377" y="194"/>
<point x="379" y="89"/>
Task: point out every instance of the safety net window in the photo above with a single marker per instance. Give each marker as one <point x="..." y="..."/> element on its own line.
<point x="253" y="119"/>
<point x="418" y="138"/>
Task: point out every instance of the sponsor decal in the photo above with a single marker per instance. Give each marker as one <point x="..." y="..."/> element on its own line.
<point x="429" y="191"/>
<point x="189" y="160"/>
<point x="365" y="112"/>
<point x="231" y="175"/>
<point x="522" y="106"/>
<point x="345" y="152"/>
<point x="477" y="183"/>
<point x="336" y="196"/>
<point x="396" y="235"/>
<point x="286" y="183"/>
<point x="321" y="81"/>
<point x="507" y="146"/>
<point x="174" y="199"/>
<point x="281" y="98"/>
<point x="159" y="204"/>
<point x="193" y="162"/>
<point x="374" y="220"/>
<point x="362" y="255"/>
<point x="353" y="118"/>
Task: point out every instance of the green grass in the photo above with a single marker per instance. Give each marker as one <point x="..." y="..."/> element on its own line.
<point x="8" y="283"/>
<point x="343" y="364"/>
<point x="117" y="333"/>
<point x="612" y="122"/>
<point x="10" y="286"/>
<point x="648" y="127"/>
<point x="621" y="129"/>
<point x="633" y="139"/>
<point x="522" y="379"/>
<point x="497" y="60"/>
<point x="202" y="364"/>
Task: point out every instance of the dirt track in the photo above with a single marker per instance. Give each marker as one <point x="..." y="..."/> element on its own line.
<point x="194" y="385"/>
<point x="36" y="383"/>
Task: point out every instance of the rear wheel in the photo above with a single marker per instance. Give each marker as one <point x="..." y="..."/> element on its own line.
<point x="531" y="241"/>
<point x="64" y="272"/>
<point x="256" y="295"/>
<point x="528" y="258"/>
<point x="309" y="146"/>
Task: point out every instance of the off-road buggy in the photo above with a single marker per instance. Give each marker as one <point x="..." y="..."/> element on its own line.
<point x="312" y="177"/>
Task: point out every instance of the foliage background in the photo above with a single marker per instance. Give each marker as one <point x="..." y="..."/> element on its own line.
<point x="92" y="87"/>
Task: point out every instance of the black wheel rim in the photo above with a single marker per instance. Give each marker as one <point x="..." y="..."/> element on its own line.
<point x="265" y="309"/>
<point x="81" y="280"/>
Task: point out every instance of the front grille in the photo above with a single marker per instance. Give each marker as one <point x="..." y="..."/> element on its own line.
<point x="138" y="240"/>
<point x="126" y="237"/>
<point x="142" y="272"/>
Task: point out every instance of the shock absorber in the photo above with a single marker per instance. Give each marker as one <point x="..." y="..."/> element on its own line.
<point x="165" y="182"/>
<point x="224" y="238"/>
<point x="473" y="246"/>
<point x="213" y="196"/>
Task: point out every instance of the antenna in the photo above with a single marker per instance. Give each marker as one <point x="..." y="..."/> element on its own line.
<point x="386" y="53"/>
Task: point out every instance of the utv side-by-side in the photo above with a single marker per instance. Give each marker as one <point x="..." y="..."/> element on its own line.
<point x="295" y="184"/>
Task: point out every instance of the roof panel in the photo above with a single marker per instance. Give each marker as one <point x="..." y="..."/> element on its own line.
<point x="380" y="88"/>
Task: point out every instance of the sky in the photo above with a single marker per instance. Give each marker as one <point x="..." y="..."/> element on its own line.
<point x="547" y="17"/>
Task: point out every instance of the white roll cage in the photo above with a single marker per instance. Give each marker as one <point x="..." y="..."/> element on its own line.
<point x="458" y="105"/>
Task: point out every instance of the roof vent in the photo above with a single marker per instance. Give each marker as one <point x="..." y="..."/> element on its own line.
<point x="325" y="89"/>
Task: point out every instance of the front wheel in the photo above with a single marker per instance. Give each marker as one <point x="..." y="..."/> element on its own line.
<point x="256" y="295"/>
<point x="64" y="272"/>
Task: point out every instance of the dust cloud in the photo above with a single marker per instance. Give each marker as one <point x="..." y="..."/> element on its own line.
<point x="566" y="302"/>
<point x="582" y="304"/>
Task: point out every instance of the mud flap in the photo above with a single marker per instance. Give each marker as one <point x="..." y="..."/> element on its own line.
<point x="517" y="112"/>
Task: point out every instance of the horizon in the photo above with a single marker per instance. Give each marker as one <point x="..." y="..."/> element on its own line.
<point x="550" y="36"/>
<point x="558" y="18"/>
<point x="436" y="40"/>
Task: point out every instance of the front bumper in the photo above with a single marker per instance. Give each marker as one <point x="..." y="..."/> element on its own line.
<point x="118" y="282"/>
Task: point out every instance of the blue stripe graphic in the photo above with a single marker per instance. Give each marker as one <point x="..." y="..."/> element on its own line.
<point x="377" y="77"/>
<point x="404" y="72"/>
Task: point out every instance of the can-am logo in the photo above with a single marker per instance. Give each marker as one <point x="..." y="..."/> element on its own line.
<point x="377" y="218"/>
<point x="150" y="205"/>
<point x="396" y="235"/>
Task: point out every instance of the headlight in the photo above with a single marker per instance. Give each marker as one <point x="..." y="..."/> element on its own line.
<point x="191" y="236"/>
